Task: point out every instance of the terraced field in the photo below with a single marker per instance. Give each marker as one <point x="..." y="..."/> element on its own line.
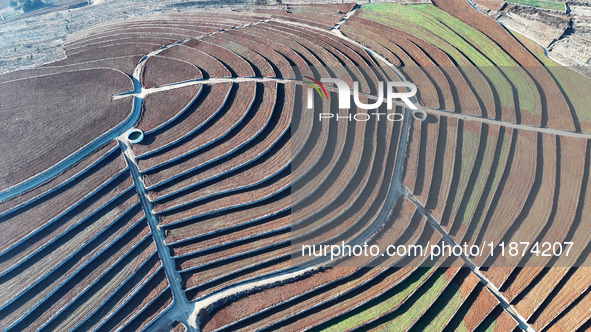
<point x="199" y="225"/>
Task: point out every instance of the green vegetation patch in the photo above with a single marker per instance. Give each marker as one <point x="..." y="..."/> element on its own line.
<point x="384" y="303"/>
<point x="413" y="309"/>
<point x="464" y="44"/>
<point x="442" y="310"/>
<point x="470" y="145"/>
<point x="574" y="85"/>
<point x="467" y="211"/>
<point x="553" y="5"/>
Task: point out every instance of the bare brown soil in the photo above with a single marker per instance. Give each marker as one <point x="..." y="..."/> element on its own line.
<point x="260" y="65"/>
<point x="237" y="65"/>
<point x="146" y="304"/>
<point x="254" y="175"/>
<point x="126" y="48"/>
<point x="20" y="223"/>
<point x="51" y="283"/>
<point x="495" y="5"/>
<point x="275" y="131"/>
<point x="298" y="287"/>
<point x="251" y="304"/>
<point x="124" y="64"/>
<point x="55" y="116"/>
<point x="146" y="276"/>
<point x="569" y="291"/>
<point x="83" y="308"/>
<point x="232" y="114"/>
<point x="504" y="322"/>
<point x="159" y="70"/>
<point x="210" y="101"/>
<point x="427" y="150"/>
<point x="515" y="190"/>
<point x="54" y="183"/>
<point x="230" y="200"/>
<point x="480" y="307"/>
<point x="256" y="228"/>
<point x="578" y="315"/>
<point x="207" y="64"/>
<point x="555" y="102"/>
<point x="158" y="108"/>
<point x="443" y="173"/>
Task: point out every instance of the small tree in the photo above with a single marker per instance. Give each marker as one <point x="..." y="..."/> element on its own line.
<point x="26" y="5"/>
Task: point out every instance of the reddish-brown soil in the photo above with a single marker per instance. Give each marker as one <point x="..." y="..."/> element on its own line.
<point x="251" y="304"/>
<point x="55" y="116"/>
<point x="178" y="327"/>
<point x="207" y="64"/>
<point x="229" y="201"/>
<point x="161" y="107"/>
<point x="578" y="315"/>
<point x="237" y="64"/>
<point x="468" y="139"/>
<point x="478" y="306"/>
<point x="199" y="259"/>
<point x="207" y="108"/>
<point x="77" y="171"/>
<point x="429" y="134"/>
<point x="563" y="296"/>
<point x="223" y="221"/>
<point x="504" y="322"/>
<point x="293" y="289"/>
<point x="255" y="126"/>
<point x="17" y="225"/>
<point x="443" y="173"/>
<point x="124" y="269"/>
<point x="232" y="116"/>
<point x="491" y="4"/>
<point x="270" y="49"/>
<point x="353" y="293"/>
<point x="124" y="64"/>
<point x="210" y="102"/>
<point x="108" y="258"/>
<point x="52" y="250"/>
<point x="556" y="104"/>
<point x="148" y="272"/>
<point x="143" y="307"/>
<point x="159" y="70"/>
<point x="529" y="302"/>
<point x="537" y="213"/>
<point x="214" y="157"/>
<point x="122" y="49"/>
<point x="274" y="134"/>
<point x="200" y="243"/>
<point x="260" y="65"/>
<point x="514" y="189"/>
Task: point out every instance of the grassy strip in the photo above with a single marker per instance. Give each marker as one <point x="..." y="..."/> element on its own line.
<point x="442" y="310"/>
<point x="466" y="45"/>
<point x="391" y="300"/>
<point x="572" y="83"/>
<point x="465" y="212"/>
<point x="470" y="144"/>
<point x="417" y="305"/>
<point x="553" y="5"/>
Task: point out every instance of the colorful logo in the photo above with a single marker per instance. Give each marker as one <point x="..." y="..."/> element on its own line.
<point x="316" y="88"/>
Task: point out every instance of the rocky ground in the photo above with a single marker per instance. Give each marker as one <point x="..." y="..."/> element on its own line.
<point x="566" y="36"/>
<point x="35" y="38"/>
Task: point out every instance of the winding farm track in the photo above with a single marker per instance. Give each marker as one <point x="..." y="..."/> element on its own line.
<point x="194" y="228"/>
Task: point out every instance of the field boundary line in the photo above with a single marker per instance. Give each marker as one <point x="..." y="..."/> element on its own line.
<point x="505" y="304"/>
<point x="181" y="308"/>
